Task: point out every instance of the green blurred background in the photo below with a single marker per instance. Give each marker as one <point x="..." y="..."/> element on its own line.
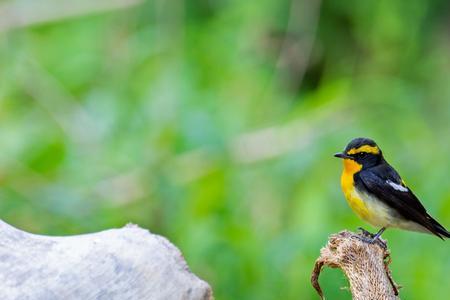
<point x="213" y="123"/>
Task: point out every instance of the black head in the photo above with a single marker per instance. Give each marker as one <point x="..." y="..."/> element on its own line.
<point x="364" y="151"/>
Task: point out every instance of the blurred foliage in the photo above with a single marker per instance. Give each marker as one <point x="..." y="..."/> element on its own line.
<point x="214" y="122"/>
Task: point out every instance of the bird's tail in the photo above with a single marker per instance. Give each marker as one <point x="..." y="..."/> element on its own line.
<point x="439" y="230"/>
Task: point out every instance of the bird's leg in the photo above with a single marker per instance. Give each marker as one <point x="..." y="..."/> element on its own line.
<point x="371" y="238"/>
<point x="379" y="233"/>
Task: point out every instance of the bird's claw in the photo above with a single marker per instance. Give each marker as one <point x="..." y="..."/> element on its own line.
<point x="366" y="233"/>
<point x="372" y="240"/>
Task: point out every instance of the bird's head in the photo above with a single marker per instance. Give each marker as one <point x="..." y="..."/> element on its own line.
<point x="361" y="153"/>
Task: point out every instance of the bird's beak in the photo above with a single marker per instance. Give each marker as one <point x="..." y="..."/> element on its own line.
<point x="343" y="155"/>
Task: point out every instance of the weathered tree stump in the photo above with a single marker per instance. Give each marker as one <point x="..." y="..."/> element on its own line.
<point x="365" y="265"/>
<point x="127" y="263"/>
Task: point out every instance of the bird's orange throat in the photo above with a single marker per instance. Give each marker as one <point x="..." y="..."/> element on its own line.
<point x="356" y="203"/>
<point x="350" y="168"/>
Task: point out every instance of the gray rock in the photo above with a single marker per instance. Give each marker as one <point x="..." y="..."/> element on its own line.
<point x="127" y="263"/>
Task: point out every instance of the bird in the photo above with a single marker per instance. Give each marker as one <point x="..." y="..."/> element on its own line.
<point x="378" y="195"/>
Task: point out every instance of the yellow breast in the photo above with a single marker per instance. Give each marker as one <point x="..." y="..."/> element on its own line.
<point x="347" y="183"/>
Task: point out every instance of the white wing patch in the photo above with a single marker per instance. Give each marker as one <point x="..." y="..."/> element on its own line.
<point x="397" y="186"/>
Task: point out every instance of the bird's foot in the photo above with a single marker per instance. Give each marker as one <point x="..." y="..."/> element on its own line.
<point x="371" y="239"/>
<point x="366" y="233"/>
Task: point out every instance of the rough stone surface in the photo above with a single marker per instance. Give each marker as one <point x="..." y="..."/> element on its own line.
<point x="127" y="263"/>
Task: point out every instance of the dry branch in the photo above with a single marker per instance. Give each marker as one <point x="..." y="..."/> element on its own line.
<point x="117" y="264"/>
<point x="365" y="265"/>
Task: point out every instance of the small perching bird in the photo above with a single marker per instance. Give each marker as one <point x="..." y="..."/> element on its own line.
<point x="378" y="195"/>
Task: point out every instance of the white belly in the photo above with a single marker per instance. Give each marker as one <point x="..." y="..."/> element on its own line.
<point x="382" y="215"/>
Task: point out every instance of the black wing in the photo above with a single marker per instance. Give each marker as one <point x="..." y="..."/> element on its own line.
<point x="385" y="183"/>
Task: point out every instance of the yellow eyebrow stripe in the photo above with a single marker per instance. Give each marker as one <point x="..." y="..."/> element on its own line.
<point x="365" y="148"/>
